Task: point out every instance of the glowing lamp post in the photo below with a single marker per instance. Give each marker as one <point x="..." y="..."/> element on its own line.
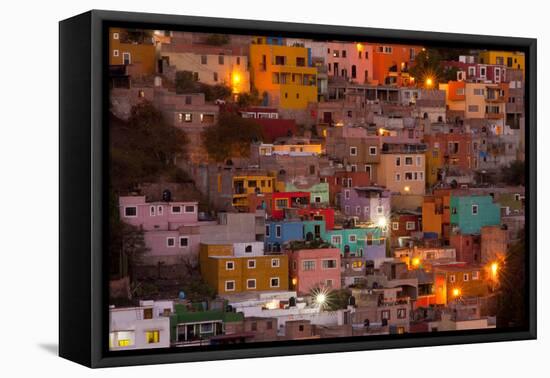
<point x="429" y="82"/>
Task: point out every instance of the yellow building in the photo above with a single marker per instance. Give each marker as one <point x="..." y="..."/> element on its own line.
<point x="288" y="149"/>
<point x="283" y="73"/>
<point x="510" y="59"/>
<point x="242" y="267"/>
<point x="136" y="52"/>
<point x="403" y="171"/>
<point x="250" y="184"/>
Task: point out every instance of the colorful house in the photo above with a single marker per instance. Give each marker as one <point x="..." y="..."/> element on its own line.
<point x="470" y="213"/>
<point x="453" y="282"/>
<point x="242" y="267"/>
<point x="447" y="151"/>
<point x="283" y="74"/>
<point x="171" y="229"/>
<point x="319" y="192"/>
<point x="402" y="168"/>
<point x="511" y="59"/>
<point x="436" y="214"/>
<point x="350" y="61"/>
<point x="367" y="242"/>
<point x="277" y="233"/>
<point x="136" y="52"/>
<point x="367" y="204"/>
<point x="404" y="224"/>
<point x="344" y="179"/>
<point x="314" y="268"/>
<point x="391" y="64"/>
<point x="250" y="184"/>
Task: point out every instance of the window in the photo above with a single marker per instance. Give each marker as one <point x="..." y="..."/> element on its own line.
<point x="395" y="226"/>
<point x="357" y="210"/>
<point x="398" y="177"/>
<point x="221" y="60"/>
<point x="251" y="264"/>
<point x="353" y="151"/>
<point x="473" y="108"/>
<point x="279" y="60"/>
<point x="466" y="277"/>
<point x="170" y="241"/>
<point x="126" y="58"/>
<point x="475" y="275"/>
<point x="148" y="313"/>
<point x="317" y="199"/>
<point x="347" y="194"/>
<point x="460" y="91"/>
<point x="275" y="263"/>
<point x="269" y="324"/>
<point x="336" y="239"/>
<point x="130" y="212"/>
<point x="267" y="230"/>
<point x="207" y="328"/>
<point x="482" y="71"/>
<point x="347" y="209"/>
<point x="353" y="238"/>
<point x="398" y="161"/>
<point x="328" y="283"/>
<point x="452" y="278"/>
<point x="410" y="226"/>
<point x="115" y="35"/>
<point x="230" y="285"/>
<point x="385" y="314"/>
<point x="372" y="151"/>
<point x="401" y="313"/>
<point x="274" y="282"/>
<point x="125" y="342"/>
<point x="152" y="337"/>
<point x="479" y="91"/>
<point x="474" y="209"/>
<point x="115" y="53"/>
<point x="379" y="210"/>
<point x="408" y="176"/>
<point x="281" y="203"/>
<point x="189" y="208"/>
<point x="248" y="249"/>
<point x="354" y="167"/>
<point x="204" y="59"/>
<point x="408" y="160"/>
<point x="184" y="241"/>
<point x="251" y="283"/>
<point x="308" y="265"/>
<point x="215" y="76"/>
<point x="277" y="231"/>
<point x="329" y="264"/>
<point x="300" y="61"/>
<point x="419" y="161"/>
<point x="471" y="71"/>
<point x="229" y="265"/>
<point x="176" y="209"/>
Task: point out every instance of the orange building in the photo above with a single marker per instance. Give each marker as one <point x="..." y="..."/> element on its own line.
<point x="232" y="268"/>
<point x="391" y="63"/>
<point x="436" y="213"/>
<point x="459" y="281"/>
<point x="136" y="52"/>
<point x="453" y="151"/>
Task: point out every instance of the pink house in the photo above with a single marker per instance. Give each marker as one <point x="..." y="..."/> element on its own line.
<point x="351" y="61"/>
<point x="171" y="229"/>
<point x="314" y="268"/>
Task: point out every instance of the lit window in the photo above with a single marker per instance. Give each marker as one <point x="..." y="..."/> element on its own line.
<point x="152" y="337"/>
<point x="475" y="275"/>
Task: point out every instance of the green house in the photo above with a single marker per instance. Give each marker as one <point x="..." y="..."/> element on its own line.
<point x="366" y="242"/>
<point x="470" y="213"/>
<point x="189" y="327"/>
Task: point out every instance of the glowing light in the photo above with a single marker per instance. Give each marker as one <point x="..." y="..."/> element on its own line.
<point x="407" y="188"/>
<point x="294" y="281"/>
<point x="381" y="131"/>
<point x="382" y="222"/>
<point x="359" y="46"/>
<point x="272" y="305"/>
<point x="494" y="269"/>
<point x="416" y="261"/>
<point x="456" y="292"/>
<point x="429" y="82"/>
<point x="321" y="297"/>
<point x="236" y="78"/>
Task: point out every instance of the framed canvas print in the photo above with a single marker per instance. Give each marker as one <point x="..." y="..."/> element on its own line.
<point x="234" y="188"/>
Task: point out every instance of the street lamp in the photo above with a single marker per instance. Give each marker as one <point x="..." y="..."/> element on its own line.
<point x="429" y="82"/>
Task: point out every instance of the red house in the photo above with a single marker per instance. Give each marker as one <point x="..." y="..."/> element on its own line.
<point x="403" y="225"/>
<point x="345" y="179"/>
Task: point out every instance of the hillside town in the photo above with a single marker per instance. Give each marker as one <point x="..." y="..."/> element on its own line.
<point x="266" y="188"/>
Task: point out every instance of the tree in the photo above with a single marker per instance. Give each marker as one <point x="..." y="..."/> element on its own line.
<point x="251" y="98"/>
<point x="143" y="148"/>
<point x="511" y="309"/>
<point x="185" y="82"/>
<point x="231" y="136"/>
<point x="427" y="69"/>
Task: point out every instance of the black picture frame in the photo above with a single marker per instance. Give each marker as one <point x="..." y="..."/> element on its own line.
<point x="83" y="196"/>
